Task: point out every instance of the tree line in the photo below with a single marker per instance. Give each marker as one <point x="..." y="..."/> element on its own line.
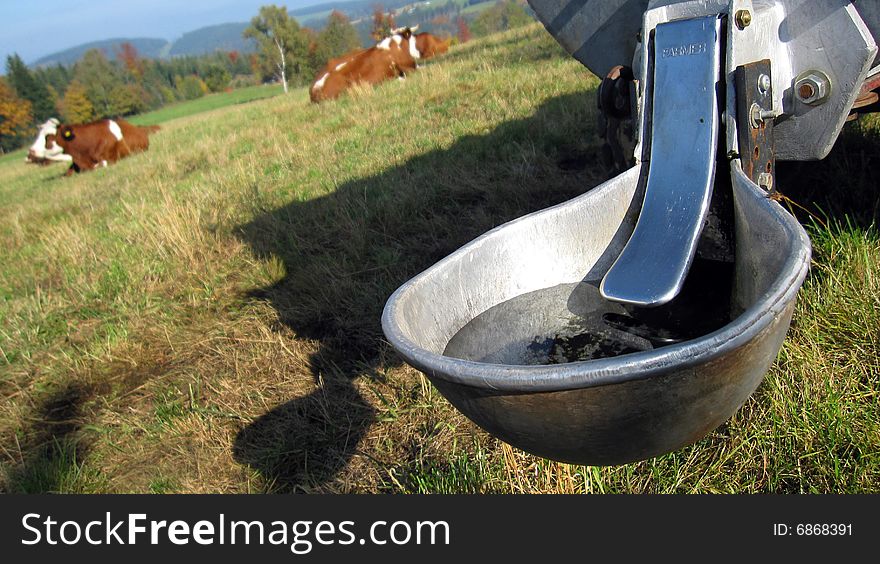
<point x="98" y="86"/>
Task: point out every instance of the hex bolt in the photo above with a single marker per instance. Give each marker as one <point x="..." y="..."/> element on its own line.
<point x="764" y="84"/>
<point x="743" y="18"/>
<point x="765" y="181"/>
<point x="806" y="90"/>
<point x="812" y="87"/>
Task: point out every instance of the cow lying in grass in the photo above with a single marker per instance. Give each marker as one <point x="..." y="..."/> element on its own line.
<point x="99" y="143"/>
<point x="393" y="57"/>
<point x="39" y="154"/>
<point x="430" y="45"/>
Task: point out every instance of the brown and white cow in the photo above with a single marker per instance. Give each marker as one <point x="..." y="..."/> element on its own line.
<point x="339" y="62"/>
<point x="39" y="154"/>
<point x="430" y="45"/>
<point x="99" y="143"/>
<point x="393" y="57"/>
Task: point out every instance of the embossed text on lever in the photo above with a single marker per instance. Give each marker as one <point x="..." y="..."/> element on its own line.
<point x="652" y="267"/>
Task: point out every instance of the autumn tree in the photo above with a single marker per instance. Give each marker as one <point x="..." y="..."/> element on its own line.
<point x="128" y="55"/>
<point x="75" y="106"/>
<point x="383" y="23"/>
<point x="463" y="32"/>
<point x="337" y="38"/>
<point x="15" y="117"/>
<point x="27" y="87"/>
<point x="127" y="99"/>
<point x="283" y="47"/>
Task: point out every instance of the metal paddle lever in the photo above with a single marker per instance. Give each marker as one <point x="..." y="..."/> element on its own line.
<point x="654" y="263"/>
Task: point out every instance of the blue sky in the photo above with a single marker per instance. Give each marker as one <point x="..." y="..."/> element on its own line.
<point x="33" y="28"/>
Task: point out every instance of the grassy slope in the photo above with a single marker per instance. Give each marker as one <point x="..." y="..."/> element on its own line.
<point x="205" y="316"/>
<point x="207" y="103"/>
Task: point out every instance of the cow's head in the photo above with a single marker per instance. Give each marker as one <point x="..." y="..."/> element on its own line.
<point x="404" y="32"/>
<point x="41" y="151"/>
<point x="62" y="137"/>
<point x="406" y="35"/>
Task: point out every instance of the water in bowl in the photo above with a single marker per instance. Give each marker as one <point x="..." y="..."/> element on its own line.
<point x="573" y="322"/>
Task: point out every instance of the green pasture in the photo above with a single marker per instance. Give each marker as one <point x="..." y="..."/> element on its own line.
<point x="205" y="316"/>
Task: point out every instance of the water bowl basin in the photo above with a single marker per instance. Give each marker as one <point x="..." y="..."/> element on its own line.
<point x="512" y="330"/>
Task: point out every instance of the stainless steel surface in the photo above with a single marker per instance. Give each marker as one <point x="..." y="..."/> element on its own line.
<point x="659" y="12"/>
<point x="833" y="36"/>
<point x="611" y="410"/>
<point x="652" y="267"/>
<point x="467" y="322"/>
<point x="811" y="35"/>
<point x="798" y="36"/>
<point x="599" y="33"/>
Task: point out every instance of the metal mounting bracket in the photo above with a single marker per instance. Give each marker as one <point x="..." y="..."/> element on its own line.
<point x="754" y="108"/>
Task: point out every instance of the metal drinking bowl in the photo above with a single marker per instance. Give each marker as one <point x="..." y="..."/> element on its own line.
<point x="608" y="410"/>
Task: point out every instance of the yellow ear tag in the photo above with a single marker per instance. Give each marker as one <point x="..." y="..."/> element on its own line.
<point x="67" y="134"/>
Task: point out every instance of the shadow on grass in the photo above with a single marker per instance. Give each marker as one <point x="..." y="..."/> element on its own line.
<point x="345" y="253"/>
<point x="844" y="187"/>
<point x="53" y="447"/>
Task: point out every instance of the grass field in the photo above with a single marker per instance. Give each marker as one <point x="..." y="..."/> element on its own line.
<point x="206" y="103"/>
<point x="204" y="317"/>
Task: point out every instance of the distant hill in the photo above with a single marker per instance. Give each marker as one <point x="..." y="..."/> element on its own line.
<point x="147" y="47"/>
<point x="223" y="37"/>
<point x="228" y="36"/>
<point x="354" y="9"/>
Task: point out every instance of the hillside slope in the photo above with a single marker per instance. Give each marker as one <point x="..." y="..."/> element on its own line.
<point x="147" y="47"/>
<point x="228" y="36"/>
<point x="205" y="316"/>
<point x="223" y="37"/>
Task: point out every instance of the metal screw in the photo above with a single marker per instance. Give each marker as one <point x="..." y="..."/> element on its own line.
<point x="743" y="18"/>
<point x="812" y="87"/>
<point x="765" y="181"/>
<point x="758" y="115"/>
<point x="764" y="84"/>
